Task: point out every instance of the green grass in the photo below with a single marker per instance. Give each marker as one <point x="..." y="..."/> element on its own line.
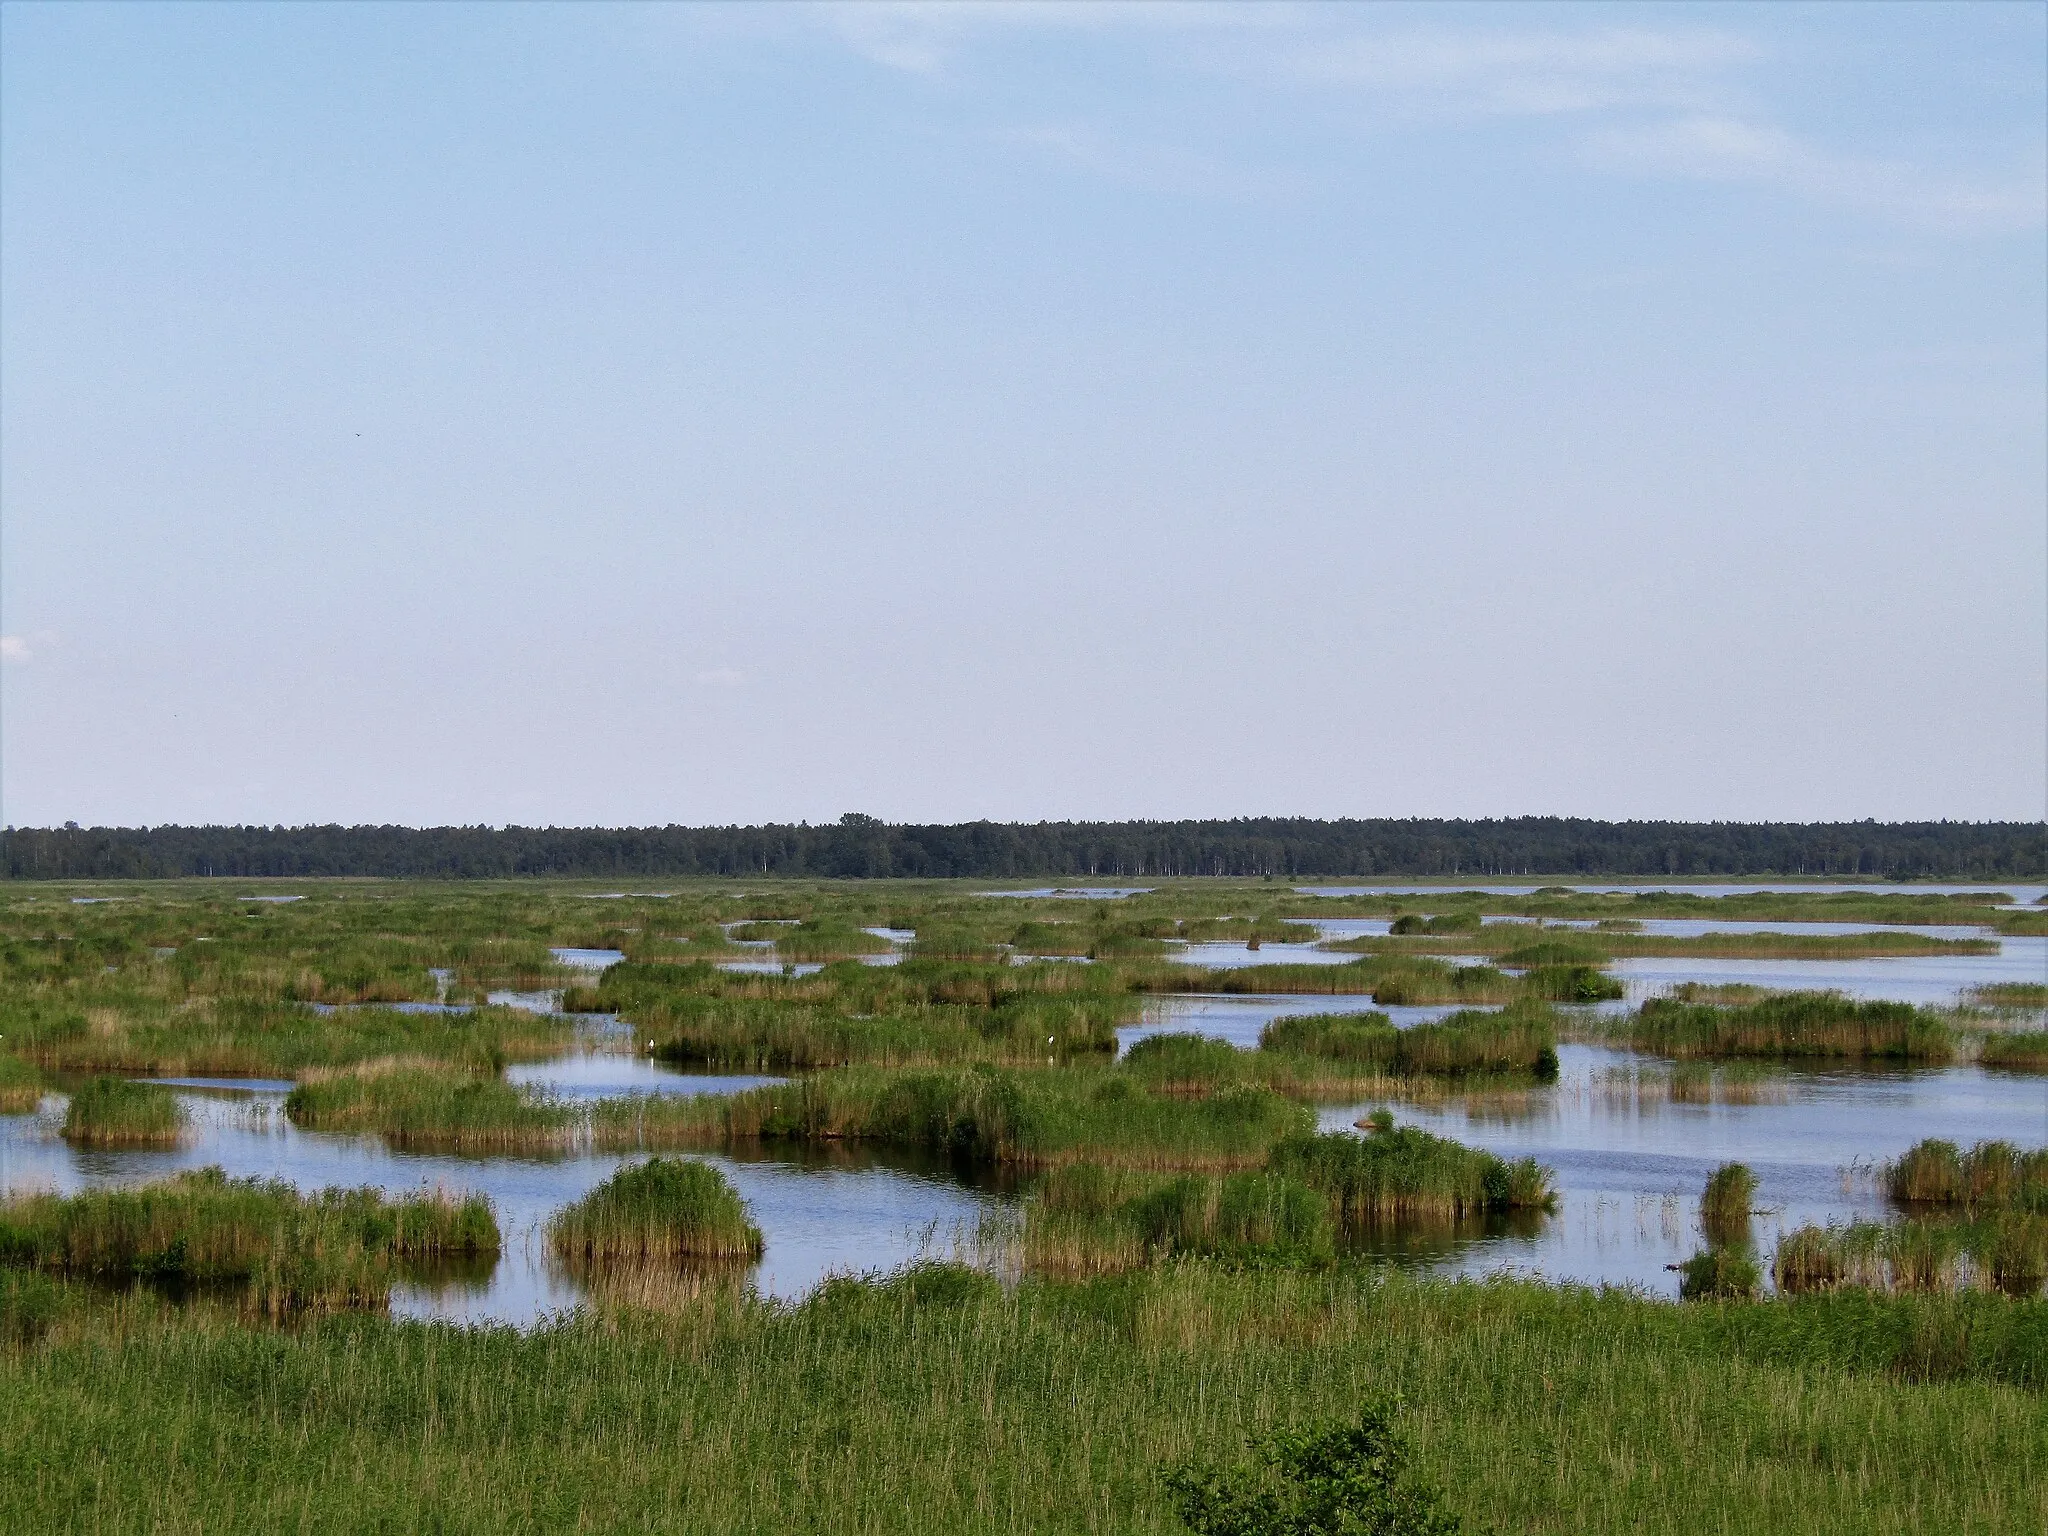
<point x="1790" y="1025"/>
<point x="663" y="1209"/>
<point x="1088" y="1219"/>
<point x="1725" y="1202"/>
<point x="422" y="1107"/>
<point x="1521" y="1039"/>
<point x="2010" y="994"/>
<point x="2022" y="1051"/>
<point x="21" y="1086"/>
<point x="1404" y="1174"/>
<point x="288" y="1251"/>
<point x="113" y="1112"/>
<point x="2007" y="1252"/>
<point x="942" y="1402"/>
<point x="996" y="1116"/>
<point x="1991" y="1176"/>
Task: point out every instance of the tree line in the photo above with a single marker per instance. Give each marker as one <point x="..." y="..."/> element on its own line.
<point x="862" y="846"/>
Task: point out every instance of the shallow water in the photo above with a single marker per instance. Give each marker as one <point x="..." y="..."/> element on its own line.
<point x="1238" y="1019"/>
<point x="2021" y="894"/>
<point x="1630" y="1167"/>
<point x="1077" y="892"/>
<point x="820" y="1215"/>
<point x="1930" y="980"/>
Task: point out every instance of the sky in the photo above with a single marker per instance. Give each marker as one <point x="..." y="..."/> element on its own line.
<point x="601" y="415"/>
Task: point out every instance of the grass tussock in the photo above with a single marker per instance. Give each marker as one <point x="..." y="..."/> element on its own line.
<point x="2007" y="1253"/>
<point x="1087" y="1219"/>
<point x="1521" y="1039"/>
<point x="1404" y="1174"/>
<point x="114" y="1112"/>
<point x="996" y="1115"/>
<point x="2010" y="994"/>
<point x="2024" y="1051"/>
<point x="289" y="1251"/>
<point x="21" y="1086"/>
<point x="665" y="1209"/>
<point x="430" y="1108"/>
<point x="1991" y="1176"/>
<point x="1792" y="1025"/>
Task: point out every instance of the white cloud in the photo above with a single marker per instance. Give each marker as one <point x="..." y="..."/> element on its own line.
<point x="721" y="677"/>
<point x="1518" y="74"/>
<point x="19" y="648"/>
<point x="1731" y="150"/>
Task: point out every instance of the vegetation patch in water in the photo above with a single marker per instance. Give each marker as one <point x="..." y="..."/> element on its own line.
<point x="21" y="1086"/>
<point x="423" y="1107"/>
<point x="1521" y="1038"/>
<point x="1404" y="1174"/>
<point x="1792" y="1024"/>
<point x="663" y="1209"/>
<point x="114" y="1112"/>
<point x="292" y="1251"/>
<point x="1000" y="1115"/>
<point x="2021" y="1051"/>
<point x="1991" y="1176"/>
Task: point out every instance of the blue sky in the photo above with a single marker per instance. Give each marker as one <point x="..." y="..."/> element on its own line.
<point x="643" y="414"/>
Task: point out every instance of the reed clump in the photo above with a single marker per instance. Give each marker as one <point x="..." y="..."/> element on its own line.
<point x="1730" y="1189"/>
<point x="2010" y="994"/>
<point x="1991" y="1176"/>
<point x="1405" y="1174"/>
<point x="115" y="1112"/>
<point x="2024" y="1051"/>
<point x="1720" y="1272"/>
<point x="21" y="1086"/>
<point x="423" y="1107"/>
<point x="2007" y="1253"/>
<point x="1521" y="1038"/>
<point x="290" y="1251"/>
<point x="1028" y="1118"/>
<point x="1792" y="1024"/>
<point x="665" y="1209"/>
<point x="1089" y="1219"/>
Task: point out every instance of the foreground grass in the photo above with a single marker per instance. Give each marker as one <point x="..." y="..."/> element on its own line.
<point x="941" y="1403"/>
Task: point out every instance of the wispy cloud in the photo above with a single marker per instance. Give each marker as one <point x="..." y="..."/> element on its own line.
<point x="1727" y="149"/>
<point x="1680" y="102"/>
<point x="1437" y="74"/>
<point x="20" y="648"/>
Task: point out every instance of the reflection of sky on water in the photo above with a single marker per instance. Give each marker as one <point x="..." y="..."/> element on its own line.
<point x="1630" y="1167"/>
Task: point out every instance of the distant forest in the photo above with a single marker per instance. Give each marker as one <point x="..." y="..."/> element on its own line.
<point x="862" y="847"/>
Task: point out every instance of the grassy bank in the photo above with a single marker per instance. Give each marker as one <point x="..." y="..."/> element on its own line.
<point x="939" y="1402"/>
<point x="2025" y="1051"/>
<point x="2007" y="1252"/>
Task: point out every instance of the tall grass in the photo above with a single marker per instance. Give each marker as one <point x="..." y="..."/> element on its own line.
<point x="21" y="1086"/>
<point x="1793" y="1024"/>
<point x="2018" y="1052"/>
<point x="1991" y="1176"/>
<point x="421" y="1107"/>
<point x="1520" y="1039"/>
<point x="2010" y="994"/>
<point x="662" y="1209"/>
<point x="291" y="1251"/>
<point x="113" y="1112"/>
<point x="2008" y="1253"/>
<point x="1409" y="1175"/>
<point x="941" y="1402"/>
<point x="1003" y="1116"/>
